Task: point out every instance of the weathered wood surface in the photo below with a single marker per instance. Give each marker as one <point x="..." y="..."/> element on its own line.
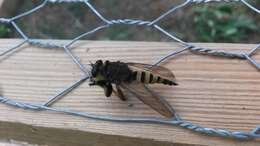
<point x="212" y="92"/>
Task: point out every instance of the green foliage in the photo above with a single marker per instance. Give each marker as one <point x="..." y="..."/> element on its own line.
<point x="119" y="33"/>
<point x="222" y="24"/>
<point x="76" y="10"/>
<point x="4" y="31"/>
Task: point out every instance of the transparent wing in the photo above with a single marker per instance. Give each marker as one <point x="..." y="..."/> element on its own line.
<point x="154" y="69"/>
<point x="149" y="98"/>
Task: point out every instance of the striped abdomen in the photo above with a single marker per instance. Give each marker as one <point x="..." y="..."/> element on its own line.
<point x="149" y="78"/>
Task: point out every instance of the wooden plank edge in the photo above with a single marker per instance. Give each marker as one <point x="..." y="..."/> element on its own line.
<point x="62" y="137"/>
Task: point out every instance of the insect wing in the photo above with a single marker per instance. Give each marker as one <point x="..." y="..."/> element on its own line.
<point x="149" y="98"/>
<point x="154" y="69"/>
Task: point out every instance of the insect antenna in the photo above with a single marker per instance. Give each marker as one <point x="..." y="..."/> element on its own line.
<point x="91" y="64"/>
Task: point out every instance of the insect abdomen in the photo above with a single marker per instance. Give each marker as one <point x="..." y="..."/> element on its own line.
<point x="149" y="78"/>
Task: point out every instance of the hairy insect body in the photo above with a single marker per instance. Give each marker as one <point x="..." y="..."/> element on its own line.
<point x="117" y="72"/>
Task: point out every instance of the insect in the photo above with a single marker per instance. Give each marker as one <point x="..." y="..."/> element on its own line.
<point x="116" y="77"/>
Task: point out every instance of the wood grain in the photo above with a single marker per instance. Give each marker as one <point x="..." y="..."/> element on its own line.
<point x="212" y="92"/>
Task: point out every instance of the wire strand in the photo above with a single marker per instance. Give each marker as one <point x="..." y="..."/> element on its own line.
<point x="255" y="133"/>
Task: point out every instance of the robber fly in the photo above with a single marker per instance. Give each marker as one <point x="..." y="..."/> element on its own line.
<point x="133" y="77"/>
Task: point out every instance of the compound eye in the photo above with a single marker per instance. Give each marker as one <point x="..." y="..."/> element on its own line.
<point x="94" y="71"/>
<point x="99" y="62"/>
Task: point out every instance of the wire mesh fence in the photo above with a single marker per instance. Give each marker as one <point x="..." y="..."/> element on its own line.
<point x="185" y="46"/>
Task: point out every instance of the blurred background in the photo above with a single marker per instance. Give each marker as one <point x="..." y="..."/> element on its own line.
<point x="214" y="22"/>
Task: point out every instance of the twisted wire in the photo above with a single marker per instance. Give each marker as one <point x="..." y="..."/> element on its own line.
<point x="4" y="20"/>
<point x="255" y="133"/>
<point x="178" y="122"/>
<point x="44" y="44"/>
<point x="129" y="22"/>
<point x="219" y="53"/>
<point x="207" y="1"/>
<point x="66" y="1"/>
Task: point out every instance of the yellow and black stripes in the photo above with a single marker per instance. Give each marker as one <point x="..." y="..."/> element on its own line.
<point x="149" y="78"/>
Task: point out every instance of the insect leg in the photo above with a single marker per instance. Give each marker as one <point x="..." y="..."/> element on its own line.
<point x="120" y="93"/>
<point x="92" y="83"/>
<point x="108" y="89"/>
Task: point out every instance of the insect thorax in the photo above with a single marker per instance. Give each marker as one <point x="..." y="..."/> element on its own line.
<point x="117" y="72"/>
<point x="112" y="72"/>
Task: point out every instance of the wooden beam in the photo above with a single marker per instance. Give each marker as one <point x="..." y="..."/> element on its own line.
<point x="212" y="92"/>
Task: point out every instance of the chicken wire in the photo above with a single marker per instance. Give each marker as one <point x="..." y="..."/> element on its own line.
<point x="255" y="133"/>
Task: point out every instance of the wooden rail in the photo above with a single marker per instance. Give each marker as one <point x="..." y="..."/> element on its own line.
<point x="212" y="92"/>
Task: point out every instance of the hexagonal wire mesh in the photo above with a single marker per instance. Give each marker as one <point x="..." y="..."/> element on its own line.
<point x="255" y="133"/>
